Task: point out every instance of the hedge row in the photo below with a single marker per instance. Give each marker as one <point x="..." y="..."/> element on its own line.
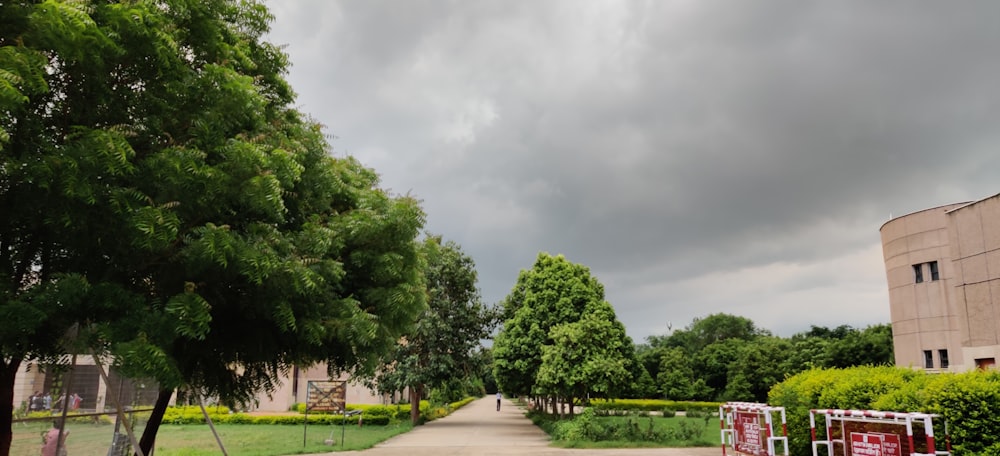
<point x="969" y="402"/>
<point x="221" y="415"/>
<point x="398" y="411"/>
<point x="654" y="405"/>
<point x="376" y="415"/>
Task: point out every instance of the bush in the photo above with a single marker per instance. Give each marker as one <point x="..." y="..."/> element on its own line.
<point x="971" y="405"/>
<point x="589" y="427"/>
<point x="969" y="402"/>
<point x="191" y="414"/>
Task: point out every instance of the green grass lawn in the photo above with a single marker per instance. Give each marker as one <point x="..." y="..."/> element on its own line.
<point x="197" y="440"/>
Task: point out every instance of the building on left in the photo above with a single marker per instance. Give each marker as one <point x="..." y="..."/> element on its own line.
<point x="84" y="380"/>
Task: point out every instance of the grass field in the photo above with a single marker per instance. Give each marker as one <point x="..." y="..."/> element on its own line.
<point x="197" y="440"/>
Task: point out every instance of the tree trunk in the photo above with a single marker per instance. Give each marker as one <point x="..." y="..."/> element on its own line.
<point x="571" y="406"/>
<point x="7" y="373"/>
<point x="155" y="418"/>
<point x="416" y="392"/>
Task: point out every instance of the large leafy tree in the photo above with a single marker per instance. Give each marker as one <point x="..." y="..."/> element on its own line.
<point x="553" y="292"/>
<point x="163" y="203"/>
<point x="442" y="346"/>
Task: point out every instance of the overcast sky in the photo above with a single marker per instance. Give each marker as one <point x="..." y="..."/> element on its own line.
<point x="698" y="156"/>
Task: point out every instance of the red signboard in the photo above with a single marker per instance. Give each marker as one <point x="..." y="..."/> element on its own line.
<point x="874" y="444"/>
<point x="748" y="433"/>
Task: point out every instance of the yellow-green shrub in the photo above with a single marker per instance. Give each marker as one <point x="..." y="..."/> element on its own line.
<point x="969" y="402"/>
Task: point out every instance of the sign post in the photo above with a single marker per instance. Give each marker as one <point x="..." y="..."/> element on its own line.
<point x="748" y="428"/>
<point x="875" y="433"/>
<point x="324" y="396"/>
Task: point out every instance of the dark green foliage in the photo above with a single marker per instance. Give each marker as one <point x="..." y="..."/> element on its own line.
<point x="164" y="203"/>
<point x="727" y="358"/>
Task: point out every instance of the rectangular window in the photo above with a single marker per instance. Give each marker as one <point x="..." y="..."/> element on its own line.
<point x="934" y="270"/>
<point x="928" y="359"/>
<point x="943" y="357"/>
<point x="918" y="273"/>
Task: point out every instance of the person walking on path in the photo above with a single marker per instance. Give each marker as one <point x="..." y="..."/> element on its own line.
<point x="499" y="396"/>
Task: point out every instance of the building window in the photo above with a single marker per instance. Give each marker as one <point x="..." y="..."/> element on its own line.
<point x="918" y="273"/>
<point x="928" y="359"/>
<point x="943" y="357"/>
<point x="934" y="270"/>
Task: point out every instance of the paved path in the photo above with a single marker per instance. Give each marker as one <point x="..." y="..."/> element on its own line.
<point x="479" y="430"/>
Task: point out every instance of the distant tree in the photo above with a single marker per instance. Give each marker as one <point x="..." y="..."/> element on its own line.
<point x="678" y="380"/>
<point x="870" y="346"/>
<point x="719" y="327"/>
<point x="758" y="366"/>
<point x="807" y="352"/>
<point x="726" y="357"/>
<point x="643" y="385"/>
<point x="440" y="350"/>
<point x="484" y="369"/>
<point x="712" y="364"/>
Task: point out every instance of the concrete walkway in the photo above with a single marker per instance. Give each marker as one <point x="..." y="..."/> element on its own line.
<point x="479" y="430"/>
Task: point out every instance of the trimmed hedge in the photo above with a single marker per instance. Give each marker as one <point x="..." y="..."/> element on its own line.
<point x="371" y="414"/>
<point x="654" y="405"/>
<point x="221" y="415"/>
<point x="969" y="402"/>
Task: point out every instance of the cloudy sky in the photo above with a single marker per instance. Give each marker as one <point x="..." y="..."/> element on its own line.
<point x="698" y="156"/>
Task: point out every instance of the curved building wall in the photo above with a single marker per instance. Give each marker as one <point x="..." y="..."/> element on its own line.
<point x="917" y="253"/>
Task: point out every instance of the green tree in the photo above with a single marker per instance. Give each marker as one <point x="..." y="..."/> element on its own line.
<point x="870" y="346"/>
<point x="757" y="367"/>
<point x="164" y="204"/>
<point x="677" y="379"/>
<point x="553" y="292"/>
<point x="441" y="347"/>
<point x="712" y="364"/>
<point x="703" y="332"/>
<point x="590" y="355"/>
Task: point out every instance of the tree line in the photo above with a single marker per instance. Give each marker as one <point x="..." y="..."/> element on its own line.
<point x="561" y="342"/>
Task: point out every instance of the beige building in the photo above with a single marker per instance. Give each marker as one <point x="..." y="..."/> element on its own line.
<point x="84" y="379"/>
<point x="943" y="270"/>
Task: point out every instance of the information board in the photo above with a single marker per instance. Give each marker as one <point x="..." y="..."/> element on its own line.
<point x="326" y="396"/>
<point x="748" y="433"/>
<point x="874" y="444"/>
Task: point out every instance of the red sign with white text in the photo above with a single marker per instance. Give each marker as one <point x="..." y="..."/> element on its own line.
<point x="874" y="444"/>
<point x="748" y="434"/>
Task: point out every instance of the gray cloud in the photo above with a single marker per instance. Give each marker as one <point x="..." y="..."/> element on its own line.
<point x="699" y="157"/>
